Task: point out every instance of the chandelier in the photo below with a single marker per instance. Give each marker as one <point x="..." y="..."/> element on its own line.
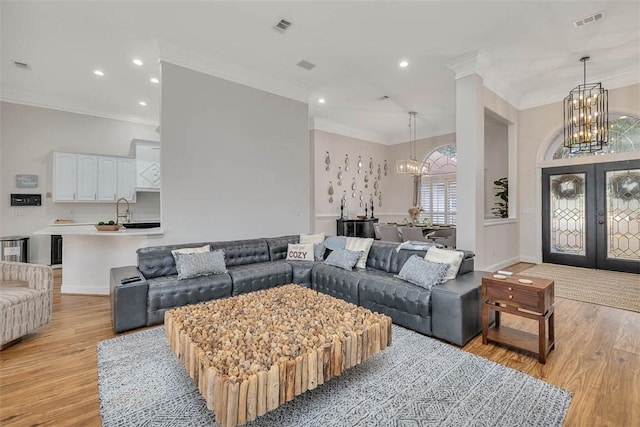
<point x="411" y="165"/>
<point x="586" y="116"/>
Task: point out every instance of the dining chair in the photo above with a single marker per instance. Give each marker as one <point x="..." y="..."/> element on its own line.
<point x="389" y="233"/>
<point x="412" y="233"/>
<point x="444" y="236"/>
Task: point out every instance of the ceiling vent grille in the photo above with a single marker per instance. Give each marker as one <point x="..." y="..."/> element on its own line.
<point x="21" y="65"/>
<point x="282" y="26"/>
<point x="590" y="19"/>
<point x="306" y="65"/>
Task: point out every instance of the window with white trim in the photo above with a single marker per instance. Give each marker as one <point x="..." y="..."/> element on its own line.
<point x="438" y="195"/>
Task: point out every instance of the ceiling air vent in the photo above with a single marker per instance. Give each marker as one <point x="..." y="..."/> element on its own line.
<point x="590" y="19"/>
<point x="306" y="65"/>
<point x="282" y="26"/>
<point x="21" y="65"/>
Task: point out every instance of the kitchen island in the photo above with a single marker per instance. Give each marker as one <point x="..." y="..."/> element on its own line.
<point x="88" y="254"/>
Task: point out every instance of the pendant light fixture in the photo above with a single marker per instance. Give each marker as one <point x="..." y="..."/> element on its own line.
<point x="586" y="116"/>
<point x="411" y="165"/>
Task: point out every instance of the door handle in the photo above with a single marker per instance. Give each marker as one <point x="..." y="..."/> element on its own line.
<point x="600" y="221"/>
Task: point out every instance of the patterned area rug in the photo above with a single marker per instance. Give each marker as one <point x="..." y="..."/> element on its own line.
<point x="416" y="382"/>
<point x="610" y="288"/>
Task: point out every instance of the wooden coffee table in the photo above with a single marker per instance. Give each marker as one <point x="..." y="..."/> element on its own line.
<point x="532" y="300"/>
<point x="251" y="353"/>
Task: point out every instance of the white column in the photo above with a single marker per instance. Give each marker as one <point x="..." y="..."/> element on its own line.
<point x="470" y="157"/>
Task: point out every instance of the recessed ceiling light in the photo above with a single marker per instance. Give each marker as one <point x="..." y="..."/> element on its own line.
<point x="138" y="61"/>
<point x="404" y="64"/>
<point x="98" y="73"/>
<point x="144" y="104"/>
<point x="321" y="100"/>
<point x="154" y="80"/>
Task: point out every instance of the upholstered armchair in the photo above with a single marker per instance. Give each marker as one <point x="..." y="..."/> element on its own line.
<point x="24" y="307"/>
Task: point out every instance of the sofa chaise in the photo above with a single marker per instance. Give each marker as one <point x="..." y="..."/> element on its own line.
<point x="450" y="311"/>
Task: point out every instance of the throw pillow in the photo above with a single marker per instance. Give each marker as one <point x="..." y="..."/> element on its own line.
<point x="312" y="238"/>
<point x="421" y="272"/>
<point x="360" y="244"/>
<point x="200" y="264"/>
<point x="335" y="242"/>
<point x="318" y="251"/>
<point x="446" y="256"/>
<point x="343" y="258"/>
<point x="205" y="248"/>
<point x="300" y="252"/>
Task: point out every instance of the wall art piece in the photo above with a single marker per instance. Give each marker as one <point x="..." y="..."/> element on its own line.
<point x="361" y="199"/>
<point x="386" y="168"/>
<point x="359" y="164"/>
<point x="353" y="184"/>
<point x="366" y="180"/>
<point x="346" y="162"/>
<point x="375" y="186"/>
<point x="370" y="165"/>
<point x="330" y="192"/>
<point x="327" y="161"/>
<point x="339" y="175"/>
<point x="344" y="199"/>
<point x="379" y="172"/>
<point x="380" y="199"/>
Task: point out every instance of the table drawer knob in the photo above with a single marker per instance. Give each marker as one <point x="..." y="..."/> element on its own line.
<point x="510" y="296"/>
<point x="510" y="288"/>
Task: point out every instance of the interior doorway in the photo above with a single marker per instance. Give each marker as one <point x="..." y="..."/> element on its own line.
<point x="591" y="215"/>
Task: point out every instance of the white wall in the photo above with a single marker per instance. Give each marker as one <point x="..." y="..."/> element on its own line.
<point x="537" y="128"/>
<point x="28" y="136"/>
<point x="235" y="160"/>
<point x="338" y="147"/>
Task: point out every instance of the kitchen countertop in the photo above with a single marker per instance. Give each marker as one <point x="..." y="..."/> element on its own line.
<point x="90" y="230"/>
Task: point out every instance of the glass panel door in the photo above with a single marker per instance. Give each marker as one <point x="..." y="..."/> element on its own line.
<point x="591" y="215"/>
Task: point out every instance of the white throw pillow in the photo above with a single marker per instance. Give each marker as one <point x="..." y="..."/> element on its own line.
<point x="312" y="238"/>
<point x="360" y="244"/>
<point x="446" y="256"/>
<point x="202" y="249"/>
<point x="302" y="252"/>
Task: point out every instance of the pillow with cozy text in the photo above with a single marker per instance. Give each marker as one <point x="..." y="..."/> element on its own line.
<point x="300" y="252"/>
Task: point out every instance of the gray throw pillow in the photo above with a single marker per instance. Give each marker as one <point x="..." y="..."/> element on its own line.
<point x="343" y="258"/>
<point x="423" y="273"/>
<point x="318" y="251"/>
<point x="335" y="242"/>
<point x="200" y="264"/>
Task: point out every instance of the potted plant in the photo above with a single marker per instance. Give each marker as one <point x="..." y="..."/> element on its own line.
<point x="502" y="207"/>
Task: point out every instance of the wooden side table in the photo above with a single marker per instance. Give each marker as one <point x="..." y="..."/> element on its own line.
<point x="532" y="301"/>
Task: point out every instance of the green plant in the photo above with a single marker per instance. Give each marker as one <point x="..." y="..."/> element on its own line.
<point x="502" y="207"/>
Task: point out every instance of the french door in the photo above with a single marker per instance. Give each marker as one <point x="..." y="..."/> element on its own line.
<point x="591" y="215"/>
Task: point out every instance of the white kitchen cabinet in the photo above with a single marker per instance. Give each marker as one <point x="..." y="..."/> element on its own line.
<point x="87" y="181"/>
<point x="126" y="179"/>
<point x="107" y="179"/>
<point x="147" y="154"/>
<point x="64" y="177"/>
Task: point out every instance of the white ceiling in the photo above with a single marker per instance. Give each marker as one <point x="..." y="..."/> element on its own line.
<point x="532" y="46"/>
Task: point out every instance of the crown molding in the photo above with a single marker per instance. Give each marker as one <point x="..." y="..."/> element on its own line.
<point x="32" y="100"/>
<point x="195" y="60"/>
<point x="625" y="77"/>
<point x="475" y="62"/>
<point x="340" y="129"/>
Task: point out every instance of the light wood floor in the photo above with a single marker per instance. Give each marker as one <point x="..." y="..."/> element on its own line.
<point x="50" y="378"/>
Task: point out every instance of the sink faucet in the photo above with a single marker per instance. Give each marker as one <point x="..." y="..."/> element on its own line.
<point x="126" y="215"/>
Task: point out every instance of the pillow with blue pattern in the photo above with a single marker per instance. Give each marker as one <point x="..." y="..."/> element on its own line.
<point x="423" y="273"/>
<point x="200" y="264"/>
<point x="343" y="258"/>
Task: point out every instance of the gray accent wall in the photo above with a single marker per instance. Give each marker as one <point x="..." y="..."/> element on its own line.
<point x="235" y="160"/>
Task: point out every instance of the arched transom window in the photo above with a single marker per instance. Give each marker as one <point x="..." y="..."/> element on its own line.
<point x="624" y="137"/>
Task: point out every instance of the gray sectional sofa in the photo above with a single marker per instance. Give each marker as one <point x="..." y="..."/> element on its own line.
<point x="451" y="311"/>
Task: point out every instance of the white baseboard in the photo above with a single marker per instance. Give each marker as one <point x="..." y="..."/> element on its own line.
<point x="83" y="290"/>
<point x="530" y="259"/>
<point x="502" y="264"/>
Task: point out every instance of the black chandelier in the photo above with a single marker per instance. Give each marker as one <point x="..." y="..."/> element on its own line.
<point x="586" y="116"/>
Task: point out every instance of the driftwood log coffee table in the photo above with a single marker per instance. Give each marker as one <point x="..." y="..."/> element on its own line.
<point x="251" y="353"/>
